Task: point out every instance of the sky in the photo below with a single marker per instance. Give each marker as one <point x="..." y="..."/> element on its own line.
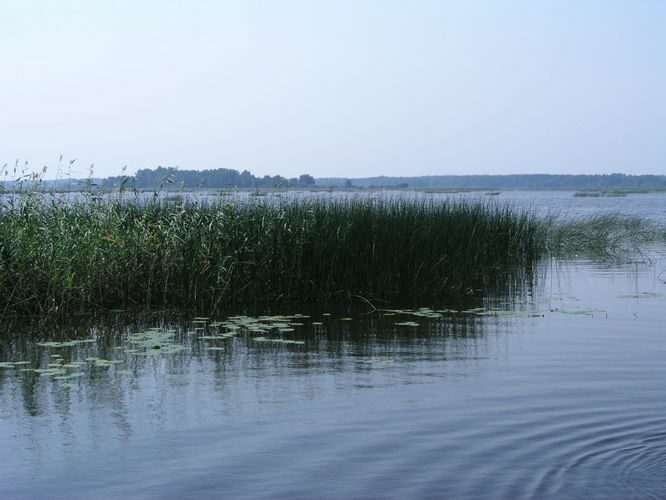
<point x="343" y="88"/>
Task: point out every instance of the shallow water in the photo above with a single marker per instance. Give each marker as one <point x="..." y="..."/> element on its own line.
<point x="555" y="392"/>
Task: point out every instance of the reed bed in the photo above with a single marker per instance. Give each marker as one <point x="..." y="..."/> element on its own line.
<point x="65" y="257"/>
<point x="611" y="235"/>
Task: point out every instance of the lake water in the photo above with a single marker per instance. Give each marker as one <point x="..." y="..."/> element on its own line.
<point x="556" y="391"/>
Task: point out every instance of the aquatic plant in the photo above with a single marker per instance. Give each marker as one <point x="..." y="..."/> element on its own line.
<point x="63" y="256"/>
<point x="607" y="235"/>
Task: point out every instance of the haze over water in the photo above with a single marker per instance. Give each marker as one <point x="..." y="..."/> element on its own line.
<point x="348" y="89"/>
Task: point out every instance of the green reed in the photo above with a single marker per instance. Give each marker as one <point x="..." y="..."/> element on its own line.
<point x="605" y="236"/>
<point x="64" y="256"/>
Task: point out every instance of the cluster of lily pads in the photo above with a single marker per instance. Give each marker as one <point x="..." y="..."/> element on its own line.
<point x="260" y="326"/>
<point x="154" y="341"/>
<point x="161" y="341"/>
<point x="57" y="367"/>
<point x="261" y="329"/>
<point x="427" y="313"/>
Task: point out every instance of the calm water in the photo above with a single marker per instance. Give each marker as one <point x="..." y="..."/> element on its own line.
<point x="554" y="392"/>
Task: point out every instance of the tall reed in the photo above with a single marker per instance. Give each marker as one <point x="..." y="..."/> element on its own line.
<point x="64" y="256"/>
<point x="610" y="235"/>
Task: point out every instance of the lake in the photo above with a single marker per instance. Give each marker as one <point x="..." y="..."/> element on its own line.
<point x="554" y="390"/>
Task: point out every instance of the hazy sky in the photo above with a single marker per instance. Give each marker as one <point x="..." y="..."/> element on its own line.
<point x="335" y="87"/>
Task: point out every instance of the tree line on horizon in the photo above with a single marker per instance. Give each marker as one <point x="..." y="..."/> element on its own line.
<point x="214" y="178"/>
<point x="510" y="181"/>
<point x="231" y="178"/>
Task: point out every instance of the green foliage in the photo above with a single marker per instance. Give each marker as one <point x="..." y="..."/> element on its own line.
<point x="61" y="256"/>
<point x="215" y="178"/>
<point x="609" y="235"/>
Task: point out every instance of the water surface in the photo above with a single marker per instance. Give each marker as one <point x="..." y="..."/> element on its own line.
<point x="557" y="392"/>
<point x="552" y="388"/>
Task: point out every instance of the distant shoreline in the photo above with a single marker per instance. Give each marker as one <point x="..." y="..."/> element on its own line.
<point x="221" y="191"/>
<point x="173" y="179"/>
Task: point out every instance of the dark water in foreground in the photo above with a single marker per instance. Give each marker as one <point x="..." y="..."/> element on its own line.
<point x="558" y="393"/>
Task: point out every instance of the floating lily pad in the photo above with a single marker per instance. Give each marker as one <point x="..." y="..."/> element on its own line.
<point x="69" y="376"/>
<point x="642" y="295"/>
<point x="377" y="361"/>
<point x="584" y="312"/>
<point x="505" y="314"/>
<point x="473" y="310"/>
<point x="107" y="362"/>
<point x="50" y="372"/>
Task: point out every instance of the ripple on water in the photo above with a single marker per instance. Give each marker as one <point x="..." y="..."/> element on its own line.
<point x="620" y="460"/>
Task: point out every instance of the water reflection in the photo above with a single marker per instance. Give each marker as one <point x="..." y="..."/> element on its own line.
<point x="96" y="364"/>
<point x="552" y="390"/>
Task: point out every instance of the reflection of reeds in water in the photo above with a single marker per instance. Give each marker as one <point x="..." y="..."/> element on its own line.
<point x="97" y="356"/>
<point x="65" y="257"/>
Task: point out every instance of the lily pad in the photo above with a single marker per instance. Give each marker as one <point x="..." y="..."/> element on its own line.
<point x="408" y="323"/>
<point x="641" y="295"/>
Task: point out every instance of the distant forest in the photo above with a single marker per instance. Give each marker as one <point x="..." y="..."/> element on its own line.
<point x="216" y="178"/>
<point x="170" y="178"/>
<point x="518" y="181"/>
